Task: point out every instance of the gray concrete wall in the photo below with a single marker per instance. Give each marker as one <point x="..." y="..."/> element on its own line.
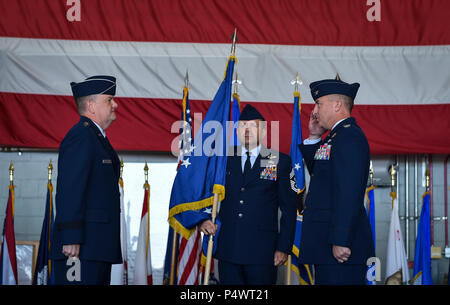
<point x="31" y="179"/>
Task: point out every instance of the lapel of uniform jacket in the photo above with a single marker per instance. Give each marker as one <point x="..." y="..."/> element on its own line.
<point x="105" y="143"/>
<point x="255" y="172"/>
<point x="234" y="163"/>
<point x="346" y="122"/>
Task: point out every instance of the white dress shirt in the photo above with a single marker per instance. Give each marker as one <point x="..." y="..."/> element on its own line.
<point x="253" y="155"/>
<point x="101" y="129"/>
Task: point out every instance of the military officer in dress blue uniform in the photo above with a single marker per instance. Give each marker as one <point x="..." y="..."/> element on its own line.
<point x="87" y="223"/>
<point x="336" y="235"/>
<point x="252" y="241"/>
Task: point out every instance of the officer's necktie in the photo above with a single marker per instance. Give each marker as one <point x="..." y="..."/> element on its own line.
<point x="247" y="166"/>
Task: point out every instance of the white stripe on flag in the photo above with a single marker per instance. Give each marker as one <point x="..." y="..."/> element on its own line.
<point x="137" y="64"/>
<point x="142" y="265"/>
<point x="190" y="253"/>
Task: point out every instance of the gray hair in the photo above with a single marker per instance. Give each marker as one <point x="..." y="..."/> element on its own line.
<point x="82" y="102"/>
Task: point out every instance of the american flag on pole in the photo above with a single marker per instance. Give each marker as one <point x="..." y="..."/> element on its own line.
<point x="8" y="259"/>
<point x="401" y="60"/>
<point x="189" y="249"/>
<point x="186" y="134"/>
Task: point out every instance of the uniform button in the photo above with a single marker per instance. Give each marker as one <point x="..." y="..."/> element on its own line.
<point x="240" y="215"/>
<point x="241" y="201"/>
<point x="242" y="189"/>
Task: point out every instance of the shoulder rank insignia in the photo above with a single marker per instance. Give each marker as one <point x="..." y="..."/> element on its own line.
<point x="85" y="124"/>
<point x="323" y="153"/>
<point x="347" y="125"/>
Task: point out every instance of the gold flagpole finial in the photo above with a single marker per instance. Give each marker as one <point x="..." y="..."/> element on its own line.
<point x="146" y="172"/>
<point x="50" y="170"/>
<point x="11" y="173"/>
<point x="337" y="77"/>
<point x="371" y="173"/>
<point x="186" y="79"/>
<point x="233" y="46"/>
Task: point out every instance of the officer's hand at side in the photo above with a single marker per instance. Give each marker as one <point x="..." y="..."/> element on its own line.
<point x="208" y="227"/>
<point x="341" y="254"/>
<point x="71" y="250"/>
<point x="279" y="258"/>
<point x="315" y="130"/>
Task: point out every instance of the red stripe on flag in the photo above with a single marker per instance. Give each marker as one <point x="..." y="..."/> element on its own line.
<point x="299" y="22"/>
<point x="145" y="124"/>
<point x="190" y="265"/>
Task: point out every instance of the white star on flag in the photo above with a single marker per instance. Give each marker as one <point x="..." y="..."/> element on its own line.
<point x="297" y="166"/>
<point x="186" y="163"/>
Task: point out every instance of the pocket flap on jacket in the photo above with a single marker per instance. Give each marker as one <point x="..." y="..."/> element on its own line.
<point x="97" y="216"/>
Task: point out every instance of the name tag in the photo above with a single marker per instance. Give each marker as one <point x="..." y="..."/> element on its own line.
<point x="323" y="153"/>
<point x="269" y="173"/>
<point x="107" y="161"/>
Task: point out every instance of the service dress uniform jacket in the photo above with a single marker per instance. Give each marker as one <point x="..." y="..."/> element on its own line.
<point x="334" y="211"/>
<point x="87" y="196"/>
<point x="249" y="232"/>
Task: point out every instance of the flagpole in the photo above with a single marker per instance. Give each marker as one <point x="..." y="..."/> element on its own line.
<point x="11" y="174"/>
<point x="216" y="198"/>
<point x="393" y="173"/>
<point x="11" y="184"/>
<point x="172" y="261"/>
<point x="288" y="275"/>
<point x="50" y="190"/>
<point x="124" y="259"/>
<point x="371" y="173"/>
<point x="296" y="83"/>
<point x="211" y="241"/>
<point x="147" y="187"/>
<point x="175" y="235"/>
